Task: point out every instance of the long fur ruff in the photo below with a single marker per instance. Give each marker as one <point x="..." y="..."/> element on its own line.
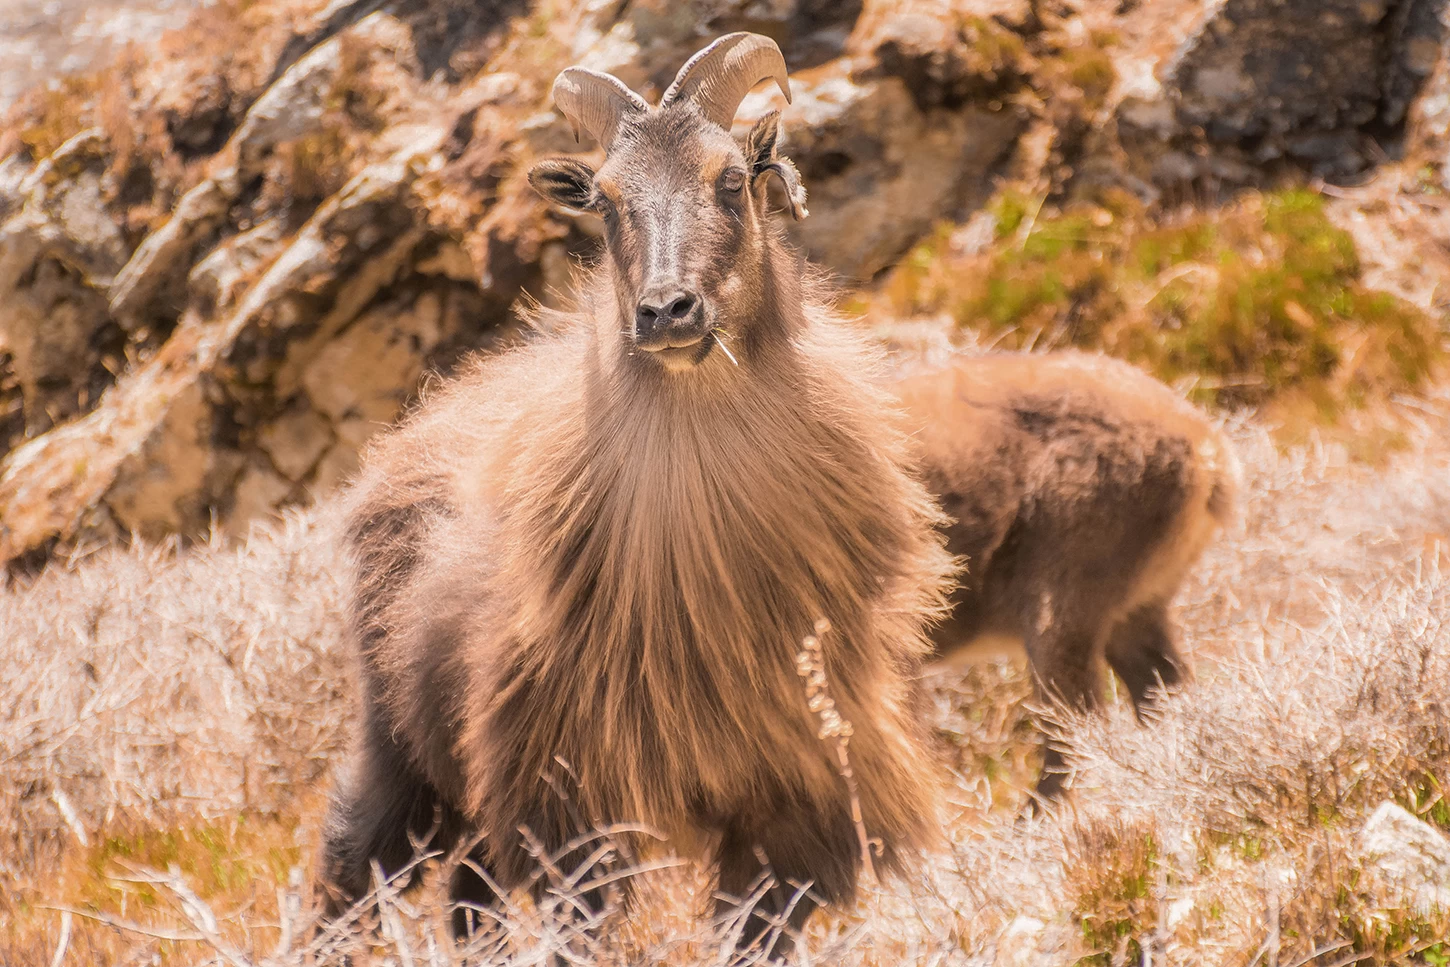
<point x="581" y="587"/>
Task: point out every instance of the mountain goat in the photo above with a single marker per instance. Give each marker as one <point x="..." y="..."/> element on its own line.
<point x="584" y="569"/>
<point x="1079" y="491"/>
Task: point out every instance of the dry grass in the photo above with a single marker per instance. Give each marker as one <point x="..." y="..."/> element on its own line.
<point x="169" y="721"/>
<point x="163" y="708"/>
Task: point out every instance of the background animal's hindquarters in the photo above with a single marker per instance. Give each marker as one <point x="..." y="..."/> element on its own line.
<point x="1064" y="653"/>
<point x="381" y="813"/>
<point x="1143" y="650"/>
<point x="800" y="848"/>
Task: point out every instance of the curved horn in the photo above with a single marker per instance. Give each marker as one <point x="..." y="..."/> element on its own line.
<point x="719" y="77"/>
<point x="595" y="102"/>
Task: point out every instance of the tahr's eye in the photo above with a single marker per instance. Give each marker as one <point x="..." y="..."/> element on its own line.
<point x="732" y="180"/>
<point x="603" y="207"/>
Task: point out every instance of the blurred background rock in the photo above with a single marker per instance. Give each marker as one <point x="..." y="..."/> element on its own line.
<point x="232" y="250"/>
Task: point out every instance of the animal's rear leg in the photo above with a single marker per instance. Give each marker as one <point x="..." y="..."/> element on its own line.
<point x="1064" y="652"/>
<point x="1143" y="650"/>
<point x="800" y="859"/>
<point x="378" y="815"/>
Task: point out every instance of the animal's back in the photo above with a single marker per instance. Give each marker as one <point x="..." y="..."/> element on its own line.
<point x="1067" y="474"/>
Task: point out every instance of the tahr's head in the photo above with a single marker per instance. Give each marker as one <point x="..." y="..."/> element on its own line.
<point x="683" y="203"/>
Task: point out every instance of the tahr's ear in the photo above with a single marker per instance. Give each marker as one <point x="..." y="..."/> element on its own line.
<point x="564" y="181"/>
<point x="764" y="158"/>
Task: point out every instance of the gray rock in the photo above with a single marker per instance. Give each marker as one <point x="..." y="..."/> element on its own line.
<point x="879" y="170"/>
<point x="296" y="104"/>
<point x="227" y="269"/>
<point x="1322" y="83"/>
<point x="160" y="261"/>
<point x="1407" y="856"/>
<point x="59" y="252"/>
<point x="296" y="440"/>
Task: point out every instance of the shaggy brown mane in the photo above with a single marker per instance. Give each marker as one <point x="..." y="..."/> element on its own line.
<point x="574" y="578"/>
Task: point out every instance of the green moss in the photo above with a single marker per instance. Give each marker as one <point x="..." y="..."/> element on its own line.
<point x="1396" y="936"/>
<point x="1091" y="71"/>
<point x="1427" y="799"/>
<point x="215" y="859"/>
<point x="996" y="51"/>
<point x="1157" y="250"/>
<point x="1081" y="73"/>
<point x="1247" y="303"/>
<point x="1114" y="901"/>
<point x="1009" y="209"/>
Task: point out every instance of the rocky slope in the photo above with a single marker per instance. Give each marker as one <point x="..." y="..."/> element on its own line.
<point x="226" y="264"/>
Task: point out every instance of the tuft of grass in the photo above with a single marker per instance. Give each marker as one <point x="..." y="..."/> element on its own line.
<point x="223" y="856"/>
<point x="1112" y="871"/>
<point x="1079" y="73"/>
<point x="236" y="864"/>
<point x="995" y="53"/>
<point x="1425" y="796"/>
<point x="986" y="731"/>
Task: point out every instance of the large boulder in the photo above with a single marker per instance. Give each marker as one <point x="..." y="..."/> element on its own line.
<point x="1324" y="85"/>
<point x="881" y="170"/>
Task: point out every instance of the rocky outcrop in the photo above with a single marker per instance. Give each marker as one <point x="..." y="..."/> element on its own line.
<point x="294" y="341"/>
<point x="1249" y="85"/>
<point x="211" y="297"/>
<point x="59" y="253"/>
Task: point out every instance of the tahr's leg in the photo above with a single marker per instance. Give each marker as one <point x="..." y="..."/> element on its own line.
<point x="378" y="815"/>
<point x="1064" y="653"/>
<point x="1143" y="651"/>
<point x="807" y="859"/>
<point x="469" y="890"/>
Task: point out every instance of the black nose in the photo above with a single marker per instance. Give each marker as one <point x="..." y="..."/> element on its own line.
<point x="667" y="317"/>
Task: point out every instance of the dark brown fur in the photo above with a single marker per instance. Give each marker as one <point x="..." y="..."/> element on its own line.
<point x="583" y="574"/>
<point x="1081" y="491"/>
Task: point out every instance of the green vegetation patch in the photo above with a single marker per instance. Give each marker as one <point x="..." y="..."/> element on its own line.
<point x="1111" y="872"/>
<point x="1244" y="303"/>
<point x="233" y="863"/>
<point x="217" y="858"/>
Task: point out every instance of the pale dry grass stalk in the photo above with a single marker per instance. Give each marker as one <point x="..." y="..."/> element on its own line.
<point x="835" y="729"/>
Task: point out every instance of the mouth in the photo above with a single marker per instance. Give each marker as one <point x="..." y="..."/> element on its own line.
<point x="684" y="351"/>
